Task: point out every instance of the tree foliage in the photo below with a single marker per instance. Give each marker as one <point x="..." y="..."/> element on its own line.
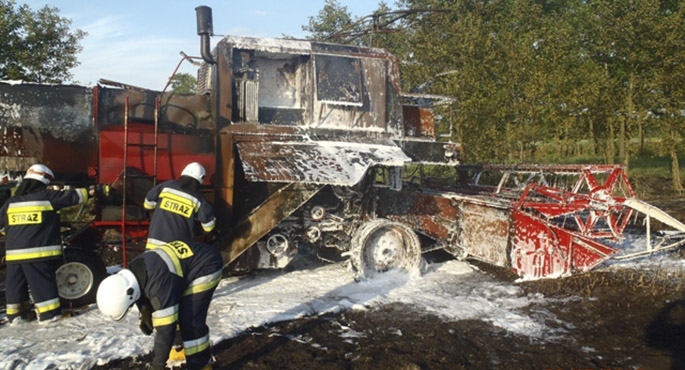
<point x="538" y="80"/>
<point x="332" y="20"/>
<point x="184" y="83"/>
<point x="37" y="46"/>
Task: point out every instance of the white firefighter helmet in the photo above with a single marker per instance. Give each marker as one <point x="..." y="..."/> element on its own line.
<point x="41" y="173"/>
<point x="196" y="171"/>
<point x="117" y="293"/>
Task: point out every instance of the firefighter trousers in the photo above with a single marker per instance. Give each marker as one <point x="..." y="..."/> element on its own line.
<point x="39" y="279"/>
<point x="193" y="310"/>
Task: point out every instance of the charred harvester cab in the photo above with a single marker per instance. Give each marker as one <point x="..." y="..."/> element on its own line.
<point x="311" y="147"/>
<point x="305" y="132"/>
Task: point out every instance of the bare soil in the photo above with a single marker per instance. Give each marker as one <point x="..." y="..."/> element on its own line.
<point x="624" y="319"/>
<point x="614" y="319"/>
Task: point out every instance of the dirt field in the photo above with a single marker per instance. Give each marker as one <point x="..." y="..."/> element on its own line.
<point x="625" y="319"/>
<point x="613" y="319"/>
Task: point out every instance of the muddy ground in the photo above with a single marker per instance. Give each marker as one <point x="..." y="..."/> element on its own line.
<point x="614" y="320"/>
<point x="627" y="319"/>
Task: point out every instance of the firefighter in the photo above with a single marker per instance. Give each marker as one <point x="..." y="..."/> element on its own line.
<point x="177" y="205"/>
<point x="33" y="244"/>
<point x="170" y="284"/>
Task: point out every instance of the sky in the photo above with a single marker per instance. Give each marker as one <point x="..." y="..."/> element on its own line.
<point x="453" y="290"/>
<point x="139" y="42"/>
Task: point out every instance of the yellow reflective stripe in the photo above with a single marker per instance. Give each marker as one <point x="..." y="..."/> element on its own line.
<point x="180" y="249"/>
<point x="13" y="309"/>
<point x="194" y="346"/>
<point x="24" y="218"/>
<point x="172" y="262"/>
<point x="33" y="206"/>
<point x="153" y="243"/>
<point x="180" y="197"/>
<point x="149" y="205"/>
<point x="82" y="194"/>
<point x="203" y="284"/>
<point x="27" y="213"/>
<point x="46" y="306"/>
<point x="166" y="316"/>
<point x="209" y="226"/>
<point x="173" y="257"/>
<point x="31" y="253"/>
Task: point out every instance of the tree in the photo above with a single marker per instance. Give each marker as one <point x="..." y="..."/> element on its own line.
<point x="184" y="83"/>
<point x="38" y="46"/>
<point x="669" y="99"/>
<point x="579" y="77"/>
<point x="331" y="24"/>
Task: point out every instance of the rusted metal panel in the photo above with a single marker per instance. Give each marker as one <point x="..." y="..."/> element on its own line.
<point x="264" y="218"/>
<point x="51" y="124"/>
<point x="177" y="112"/>
<point x="418" y="122"/>
<point x="543" y="250"/>
<point x="462" y="225"/>
<point x="484" y="232"/>
<point x="316" y="162"/>
<point x="174" y="152"/>
<point x="308" y="84"/>
<point x="356" y="104"/>
<point x="430" y="213"/>
<point x="431" y="152"/>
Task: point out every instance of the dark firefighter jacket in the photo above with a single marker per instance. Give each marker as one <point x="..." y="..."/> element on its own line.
<point x="176" y="211"/>
<point x="168" y="273"/>
<point x="32" y="224"/>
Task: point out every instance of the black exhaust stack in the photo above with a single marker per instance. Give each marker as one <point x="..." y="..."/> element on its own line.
<point x="204" y="30"/>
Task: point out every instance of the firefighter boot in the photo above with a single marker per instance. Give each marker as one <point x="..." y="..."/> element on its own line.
<point x="177" y="354"/>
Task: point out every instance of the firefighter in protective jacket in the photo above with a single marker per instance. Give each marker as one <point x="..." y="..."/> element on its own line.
<point x="33" y="243"/>
<point x="178" y="205"/>
<point x="170" y="284"/>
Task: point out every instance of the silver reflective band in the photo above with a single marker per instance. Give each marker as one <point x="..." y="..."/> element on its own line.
<point x="168" y="261"/>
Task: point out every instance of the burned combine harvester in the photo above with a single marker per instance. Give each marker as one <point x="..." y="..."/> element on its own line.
<point x="310" y="146"/>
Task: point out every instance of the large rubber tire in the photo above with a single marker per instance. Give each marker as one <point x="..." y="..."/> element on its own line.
<point x="382" y="245"/>
<point x="79" y="276"/>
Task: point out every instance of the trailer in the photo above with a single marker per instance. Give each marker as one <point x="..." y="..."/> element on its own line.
<point x="308" y="146"/>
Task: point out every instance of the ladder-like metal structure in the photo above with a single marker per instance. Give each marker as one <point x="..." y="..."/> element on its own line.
<point x="125" y="175"/>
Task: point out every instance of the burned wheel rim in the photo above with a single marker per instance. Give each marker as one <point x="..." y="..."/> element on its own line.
<point x="277" y="244"/>
<point x="74" y="280"/>
<point x="382" y="245"/>
<point x="79" y="277"/>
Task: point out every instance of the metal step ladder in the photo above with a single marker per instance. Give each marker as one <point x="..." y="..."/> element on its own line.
<point x="142" y="145"/>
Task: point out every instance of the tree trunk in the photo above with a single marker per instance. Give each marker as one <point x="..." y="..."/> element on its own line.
<point x="675" y="165"/>
<point x="592" y="148"/>
<point x="641" y="135"/>
<point x="611" y="146"/>
<point x="624" y="151"/>
<point x="622" y="137"/>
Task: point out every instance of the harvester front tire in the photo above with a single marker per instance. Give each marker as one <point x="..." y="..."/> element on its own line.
<point x="79" y="276"/>
<point x="381" y="245"/>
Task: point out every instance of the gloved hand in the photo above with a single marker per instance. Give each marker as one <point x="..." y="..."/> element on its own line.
<point x="146" y="320"/>
<point x="212" y="236"/>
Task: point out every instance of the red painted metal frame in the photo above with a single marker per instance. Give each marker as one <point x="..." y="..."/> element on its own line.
<point x="601" y="202"/>
<point x="174" y="153"/>
<point x="543" y="248"/>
